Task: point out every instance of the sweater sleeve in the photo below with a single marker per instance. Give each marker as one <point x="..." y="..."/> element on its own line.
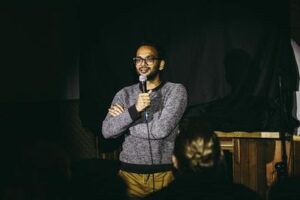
<point x="169" y="118"/>
<point x="113" y="127"/>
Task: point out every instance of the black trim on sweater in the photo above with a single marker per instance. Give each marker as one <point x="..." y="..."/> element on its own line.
<point x="154" y="89"/>
<point x="134" y="114"/>
<point x="145" y="169"/>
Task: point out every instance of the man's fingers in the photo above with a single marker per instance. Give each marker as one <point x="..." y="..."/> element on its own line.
<point x="111" y="112"/>
<point x="120" y="107"/>
<point x="116" y="110"/>
<point x="144" y="95"/>
<point x="147" y="100"/>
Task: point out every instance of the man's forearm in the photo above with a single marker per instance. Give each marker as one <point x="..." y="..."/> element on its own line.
<point x="114" y="126"/>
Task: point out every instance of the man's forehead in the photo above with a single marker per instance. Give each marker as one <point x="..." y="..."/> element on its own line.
<point x="146" y="50"/>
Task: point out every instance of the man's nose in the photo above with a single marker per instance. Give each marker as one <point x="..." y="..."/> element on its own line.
<point x="144" y="63"/>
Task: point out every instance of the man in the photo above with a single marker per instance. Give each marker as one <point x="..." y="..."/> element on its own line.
<point x="146" y="156"/>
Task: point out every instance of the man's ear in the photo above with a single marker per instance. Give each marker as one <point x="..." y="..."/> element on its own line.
<point x="162" y="65"/>
<point x="174" y="161"/>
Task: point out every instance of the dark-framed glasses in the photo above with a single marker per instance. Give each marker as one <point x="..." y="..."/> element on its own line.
<point x="148" y="60"/>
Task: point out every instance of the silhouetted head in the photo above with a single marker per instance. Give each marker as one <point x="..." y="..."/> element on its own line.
<point x="197" y="147"/>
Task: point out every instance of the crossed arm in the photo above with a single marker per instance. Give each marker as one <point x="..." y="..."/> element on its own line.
<point x="119" y="119"/>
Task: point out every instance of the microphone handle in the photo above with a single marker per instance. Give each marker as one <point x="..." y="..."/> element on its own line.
<point x="144" y="86"/>
<point x="144" y="90"/>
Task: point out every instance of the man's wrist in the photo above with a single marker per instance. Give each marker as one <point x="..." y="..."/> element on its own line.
<point x="133" y="112"/>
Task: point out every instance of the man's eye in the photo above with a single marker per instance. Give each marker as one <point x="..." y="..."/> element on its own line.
<point x="138" y="60"/>
<point x="150" y="59"/>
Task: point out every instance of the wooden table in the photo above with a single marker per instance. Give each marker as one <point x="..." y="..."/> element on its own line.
<point x="254" y="155"/>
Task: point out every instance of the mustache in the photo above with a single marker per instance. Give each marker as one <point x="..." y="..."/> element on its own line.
<point x="144" y="68"/>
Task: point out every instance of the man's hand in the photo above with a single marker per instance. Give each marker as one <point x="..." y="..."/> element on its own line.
<point x="116" y="110"/>
<point x="143" y="101"/>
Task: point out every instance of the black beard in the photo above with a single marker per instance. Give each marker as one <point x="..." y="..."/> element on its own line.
<point x="152" y="75"/>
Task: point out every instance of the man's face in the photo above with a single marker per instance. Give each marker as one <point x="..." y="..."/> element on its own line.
<point x="147" y="62"/>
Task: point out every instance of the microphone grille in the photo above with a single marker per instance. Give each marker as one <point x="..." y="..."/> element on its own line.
<point x="142" y="78"/>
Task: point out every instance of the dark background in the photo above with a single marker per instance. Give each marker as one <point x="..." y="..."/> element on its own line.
<point x="206" y="43"/>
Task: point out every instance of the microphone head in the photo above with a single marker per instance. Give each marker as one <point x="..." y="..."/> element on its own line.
<point x="142" y="78"/>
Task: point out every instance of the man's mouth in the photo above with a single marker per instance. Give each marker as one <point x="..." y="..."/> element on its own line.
<point x="144" y="69"/>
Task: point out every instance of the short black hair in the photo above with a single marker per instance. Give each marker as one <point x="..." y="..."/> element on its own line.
<point x="159" y="49"/>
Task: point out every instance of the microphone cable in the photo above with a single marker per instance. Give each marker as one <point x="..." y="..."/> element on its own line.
<point x="143" y="82"/>
<point x="150" y="149"/>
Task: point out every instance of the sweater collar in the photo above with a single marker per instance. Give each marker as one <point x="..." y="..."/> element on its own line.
<point x="162" y="83"/>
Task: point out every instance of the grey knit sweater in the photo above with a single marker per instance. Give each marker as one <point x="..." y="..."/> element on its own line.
<point x="140" y="147"/>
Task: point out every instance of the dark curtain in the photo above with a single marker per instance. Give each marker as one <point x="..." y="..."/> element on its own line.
<point x="234" y="57"/>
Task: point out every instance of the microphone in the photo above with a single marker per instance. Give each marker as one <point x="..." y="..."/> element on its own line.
<point x="143" y="79"/>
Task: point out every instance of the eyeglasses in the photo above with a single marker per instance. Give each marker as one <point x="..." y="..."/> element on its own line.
<point x="148" y="60"/>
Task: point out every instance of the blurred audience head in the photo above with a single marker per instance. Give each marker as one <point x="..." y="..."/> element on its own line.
<point x="197" y="148"/>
